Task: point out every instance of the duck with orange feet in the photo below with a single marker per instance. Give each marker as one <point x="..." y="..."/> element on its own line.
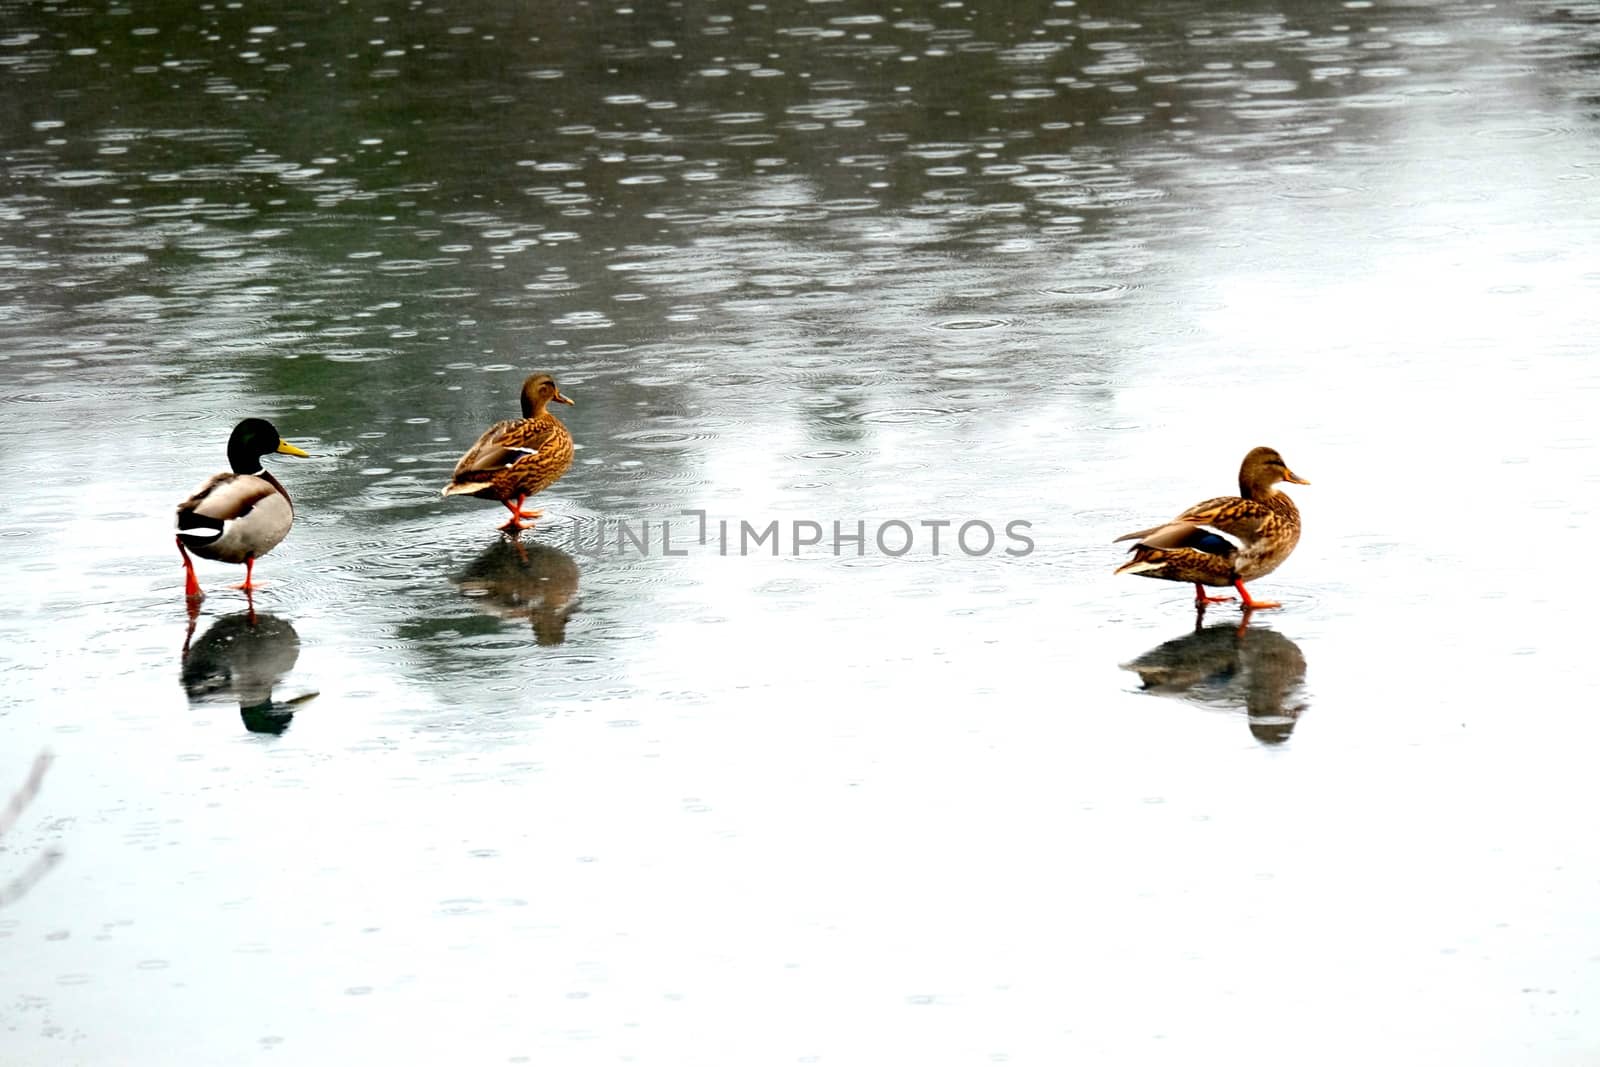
<point x="240" y="514"/>
<point x="516" y="458"/>
<point x="1228" y="540"/>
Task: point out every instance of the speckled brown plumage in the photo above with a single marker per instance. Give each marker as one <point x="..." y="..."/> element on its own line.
<point x="1228" y="540"/>
<point x="516" y="458"/>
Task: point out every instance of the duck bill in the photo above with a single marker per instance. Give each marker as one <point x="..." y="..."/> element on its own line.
<point x="289" y="450"/>
<point x="1291" y="476"/>
<point x="563" y="398"/>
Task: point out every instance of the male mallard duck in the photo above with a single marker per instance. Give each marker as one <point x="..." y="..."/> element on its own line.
<point x="239" y="514"/>
<point x="1226" y="541"/>
<point x="516" y="458"/>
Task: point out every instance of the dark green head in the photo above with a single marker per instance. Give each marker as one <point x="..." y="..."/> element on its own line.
<point x="252" y="439"/>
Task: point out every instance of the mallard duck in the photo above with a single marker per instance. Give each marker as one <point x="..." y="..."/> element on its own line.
<point x="240" y="514"/>
<point x="1229" y="540"/>
<point x="516" y="458"/>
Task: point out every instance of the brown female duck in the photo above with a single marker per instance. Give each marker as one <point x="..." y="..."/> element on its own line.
<point x="1228" y="540"/>
<point x="516" y="458"/>
<point x="239" y="514"/>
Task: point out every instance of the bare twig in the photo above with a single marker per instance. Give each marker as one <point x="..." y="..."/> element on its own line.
<point x="14" y="889"/>
<point x="19" y="800"/>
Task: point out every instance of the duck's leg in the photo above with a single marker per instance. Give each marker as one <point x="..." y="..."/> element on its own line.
<point x="249" y="571"/>
<point x="514" y="525"/>
<point x="1201" y="600"/>
<point x="191" y="584"/>
<point x="1252" y="605"/>
<point x="521" y="512"/>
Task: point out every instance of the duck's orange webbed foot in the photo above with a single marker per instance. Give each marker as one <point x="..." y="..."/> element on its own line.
<point x="1253" y="605"/>
<point x="1201" y="600"/>
<point x="514" y="525"/>
<point x="248" y="586"/>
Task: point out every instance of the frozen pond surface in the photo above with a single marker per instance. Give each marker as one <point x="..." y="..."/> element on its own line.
<point x="1061" y="265"/>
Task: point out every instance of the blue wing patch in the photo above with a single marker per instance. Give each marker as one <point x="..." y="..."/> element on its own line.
<point x="1208" y="542"/>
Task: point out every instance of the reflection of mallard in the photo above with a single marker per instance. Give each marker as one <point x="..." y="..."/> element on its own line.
<point x="516" y="458"/>
<point x="246" y="654"/>
<point x="241" y="513"/>
<point x="1232" y="666"/>
<point x="535" y="582"/>
<point x="1228" y="540"/>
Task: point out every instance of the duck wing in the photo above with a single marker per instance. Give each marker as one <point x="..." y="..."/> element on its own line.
<point x="492" y="452"/>
<point x="222" y="499"/>
<point x="1220" y="527"/>
<point x="502" y="445"/>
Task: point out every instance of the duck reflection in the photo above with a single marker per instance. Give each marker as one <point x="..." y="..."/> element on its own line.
<point x="529" y="581"/>
<point x="1232" y="665"/>
<point x="245" y="654"/>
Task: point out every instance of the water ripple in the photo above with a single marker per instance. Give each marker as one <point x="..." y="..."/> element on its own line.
<point x="904" y="415"/>
<point x="1090" y="290"/>
<point x="662" y="440"/>
<point x="970" y="324"/>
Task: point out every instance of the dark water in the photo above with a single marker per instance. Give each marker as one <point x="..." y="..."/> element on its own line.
<point x="1058" y="265"/>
